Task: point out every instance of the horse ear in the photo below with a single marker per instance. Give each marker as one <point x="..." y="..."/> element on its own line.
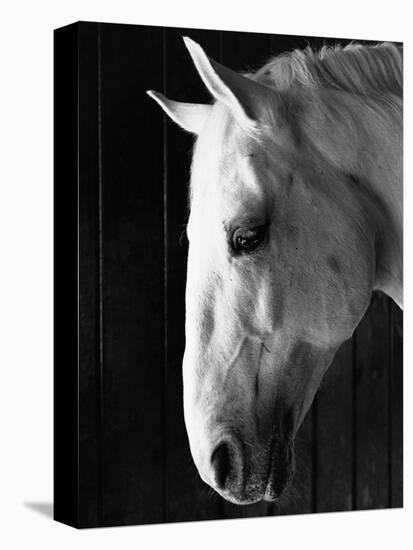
<point x="190" y="116"/>
<point x="241" y="94"/>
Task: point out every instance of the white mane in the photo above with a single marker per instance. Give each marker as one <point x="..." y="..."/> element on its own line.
<point x="363" y="70"/>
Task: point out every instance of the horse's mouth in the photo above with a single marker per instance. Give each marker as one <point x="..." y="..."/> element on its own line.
<point x="281" y="468"/>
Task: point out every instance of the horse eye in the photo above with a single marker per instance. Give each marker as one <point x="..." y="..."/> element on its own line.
<point x="246" y="239"/>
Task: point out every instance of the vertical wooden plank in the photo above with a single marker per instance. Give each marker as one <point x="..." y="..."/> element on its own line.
<point x="132" y="274"/>
<point x="89" y="427"/>
<point x="334" y="454"/>
<point x="371" y="386"/>
<point x="187" y="495"/>
<point x="246" y="52"/>
<point x="396" y="406"/>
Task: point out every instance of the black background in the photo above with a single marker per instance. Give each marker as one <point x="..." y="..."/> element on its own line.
<point x="121" y="450"/>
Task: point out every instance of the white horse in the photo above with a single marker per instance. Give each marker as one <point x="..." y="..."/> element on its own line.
<point x="296" y="217"/>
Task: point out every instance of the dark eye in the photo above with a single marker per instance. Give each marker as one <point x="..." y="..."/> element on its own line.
<point x="246" y="239"/>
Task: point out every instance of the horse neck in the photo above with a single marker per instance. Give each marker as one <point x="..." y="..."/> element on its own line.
<point x="389" y="242"/>
<point x="379" y="171"/>
<point x="364" y="139"/>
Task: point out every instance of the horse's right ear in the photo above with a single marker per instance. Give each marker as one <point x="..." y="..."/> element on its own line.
<point x="189" y="116"/>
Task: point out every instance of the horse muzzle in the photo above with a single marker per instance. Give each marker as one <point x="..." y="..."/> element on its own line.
<point x="243" y="473"/>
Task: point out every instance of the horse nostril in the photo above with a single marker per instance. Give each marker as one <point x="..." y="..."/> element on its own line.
<point x="221" y="464"/>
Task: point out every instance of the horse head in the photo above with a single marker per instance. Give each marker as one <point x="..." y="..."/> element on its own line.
<point x="281" y="266"/>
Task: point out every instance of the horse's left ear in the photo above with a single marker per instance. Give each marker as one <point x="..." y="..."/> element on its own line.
<point x="241" y="94"/>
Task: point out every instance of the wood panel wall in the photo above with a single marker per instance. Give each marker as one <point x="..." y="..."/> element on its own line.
<point x="134" y="464"/>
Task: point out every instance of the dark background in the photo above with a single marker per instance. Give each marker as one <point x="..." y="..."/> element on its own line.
<point x="131" y="456"/>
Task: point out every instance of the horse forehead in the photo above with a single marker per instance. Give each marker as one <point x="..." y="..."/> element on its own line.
<point x="243" y="176"/>
<point x="222" y="137"/>
<point x="232" y="159"/>
<point x="237" y="185"/>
